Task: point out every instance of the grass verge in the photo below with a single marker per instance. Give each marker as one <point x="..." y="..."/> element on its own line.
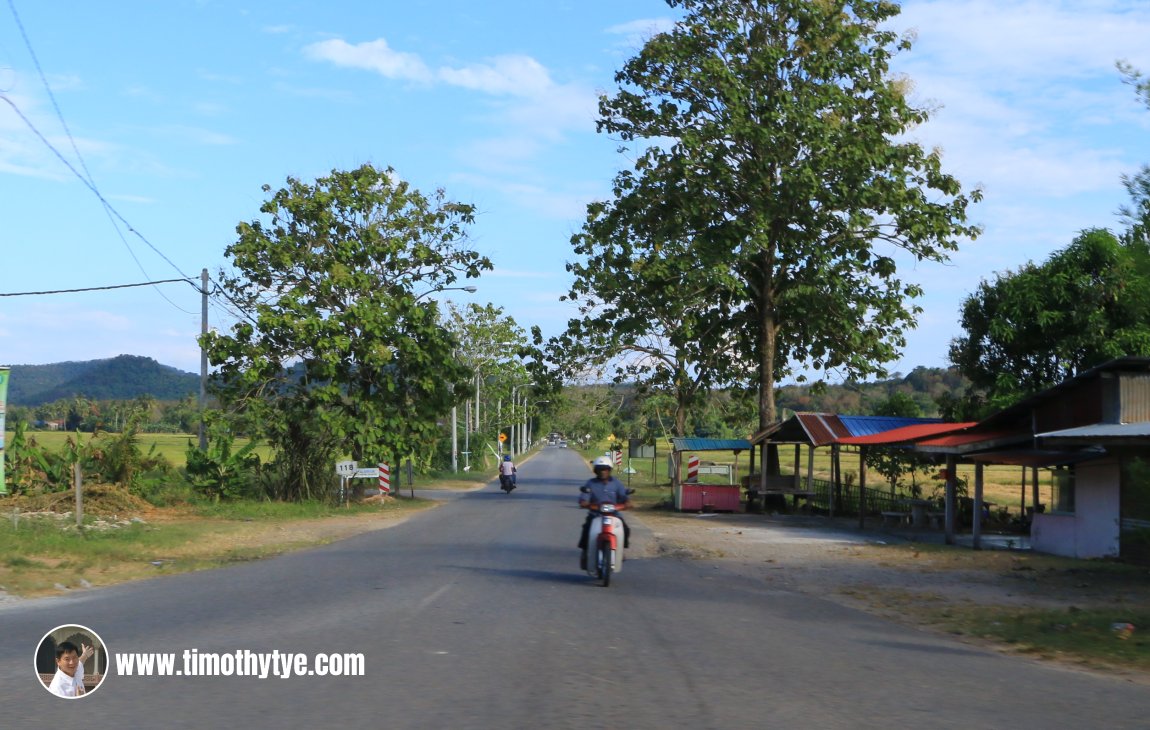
<point x="44" y="554"/>
<point x="1112" y="636"/>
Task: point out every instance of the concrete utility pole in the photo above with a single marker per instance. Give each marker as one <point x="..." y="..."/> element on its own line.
<point x="203" y="357"/>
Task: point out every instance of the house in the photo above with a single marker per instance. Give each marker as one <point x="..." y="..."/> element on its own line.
<point x="1093" y="432"/>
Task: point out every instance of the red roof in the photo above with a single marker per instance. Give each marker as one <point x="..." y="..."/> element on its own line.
<point x="965" y="439"/>
<point x="904" y="434"/>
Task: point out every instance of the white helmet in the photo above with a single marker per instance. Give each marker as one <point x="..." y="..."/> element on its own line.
<point x="601" y="463"/>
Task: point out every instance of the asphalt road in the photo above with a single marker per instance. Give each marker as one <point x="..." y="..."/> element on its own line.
<point x="475" y="615"/>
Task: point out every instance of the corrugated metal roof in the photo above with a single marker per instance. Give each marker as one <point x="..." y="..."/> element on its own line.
<point x="1102" y="431"/>
<point x="902" y="435"/>
<point x="822" y="428"/>
<point x="867" y="425"/>
<point x="700" y="444"/>
<point x="958" y="441"/>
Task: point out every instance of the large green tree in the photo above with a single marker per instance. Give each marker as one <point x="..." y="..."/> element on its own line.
<point x="342" y="347"/>
<point x="772" y="156"/>
<point x="648" y="312"/>
<point x="1032" y="328"/>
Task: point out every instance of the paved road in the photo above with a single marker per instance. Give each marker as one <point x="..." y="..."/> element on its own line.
<point x="475" y="615"/>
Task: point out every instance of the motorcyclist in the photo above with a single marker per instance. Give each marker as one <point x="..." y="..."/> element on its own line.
<point x="507" y="469"/>
<point x="603" y="488"/>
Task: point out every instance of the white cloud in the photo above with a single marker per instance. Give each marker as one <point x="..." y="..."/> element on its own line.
<point x="375" y="56"/>
<point x="637" y="32"/>
<point x="1023" y="41"/>
<point x="529" y="108"/>
<point x="503" y="75"/>
<point x="553" y="202"/>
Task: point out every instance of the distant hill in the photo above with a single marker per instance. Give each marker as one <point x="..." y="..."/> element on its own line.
<point x="118" y="378"/>
<point x="922" y="385"/>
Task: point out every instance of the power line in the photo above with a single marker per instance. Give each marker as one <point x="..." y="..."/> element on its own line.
<point x="87" y="183"/>
<point x="97" y="288"/>
<point x="86" y="178"/>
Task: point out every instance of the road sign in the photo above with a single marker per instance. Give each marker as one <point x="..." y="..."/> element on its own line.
<point x="502" y="437"/>
<point x="345" y="468"/>
<point x="384" y="478"/>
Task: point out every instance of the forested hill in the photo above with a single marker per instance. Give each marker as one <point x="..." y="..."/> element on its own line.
<point x="924" y="386"/>
<point x="118" y="378"/>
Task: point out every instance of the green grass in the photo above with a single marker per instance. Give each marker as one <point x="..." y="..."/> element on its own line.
<point x="1084" y="634"/>
<point x="273" y="511"/>
<point x="172" y="446"/>
<point x="38" y="554"/>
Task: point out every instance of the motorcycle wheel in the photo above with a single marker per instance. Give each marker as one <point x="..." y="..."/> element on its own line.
<point x="604" y="557"/>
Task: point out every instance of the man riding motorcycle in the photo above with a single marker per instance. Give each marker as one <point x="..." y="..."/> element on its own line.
<point x="603" y="488"/>
<point x="507" y="472"/>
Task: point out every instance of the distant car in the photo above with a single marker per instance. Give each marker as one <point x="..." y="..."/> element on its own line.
<point x="562" y="444"/>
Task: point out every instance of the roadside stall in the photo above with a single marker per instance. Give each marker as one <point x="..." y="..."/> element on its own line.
<point x="691" y="494"/>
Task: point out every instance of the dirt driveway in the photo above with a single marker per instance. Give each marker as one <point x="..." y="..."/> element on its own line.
<point x="919" y="583"/>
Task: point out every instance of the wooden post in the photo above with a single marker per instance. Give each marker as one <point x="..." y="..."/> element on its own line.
<point x="976" y="530"/>
<point x="1034" y="489"/>
<point x="835" y="471"/>
<point x="862" y="487"/>
<point x="798" y="457"/>
<point x="951" y="498"/>
<point x="810" y="467"/>
<point x="78" y="486"/>
<point x="1022" y="507"/>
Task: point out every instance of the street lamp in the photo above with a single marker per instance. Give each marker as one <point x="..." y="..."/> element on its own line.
<point x="514" y="405"/>
<point x="454" y="407"/>
<point x="529" y="422"/>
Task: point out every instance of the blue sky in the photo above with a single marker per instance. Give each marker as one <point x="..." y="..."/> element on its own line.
<point x="181" y="110"/>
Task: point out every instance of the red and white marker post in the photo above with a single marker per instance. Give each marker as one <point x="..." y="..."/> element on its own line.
<point x="384" y="478"/>
<point x="693" y="468"/>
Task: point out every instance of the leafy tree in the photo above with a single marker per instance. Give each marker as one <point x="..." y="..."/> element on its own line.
<point x="898" y="404"/>
<point x="649" y="313"/>
<point x="773" y="157"/>
<point x="492" y="347"/>
<point x="1137" y="214"/>
<point x="1033" y="328"/>
<point x="341" y="347"/>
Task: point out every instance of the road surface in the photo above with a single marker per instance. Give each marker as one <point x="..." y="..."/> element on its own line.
<point x="475" y="615"/>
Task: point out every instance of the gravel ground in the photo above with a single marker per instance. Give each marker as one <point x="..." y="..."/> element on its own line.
<point x="911" y="578"/>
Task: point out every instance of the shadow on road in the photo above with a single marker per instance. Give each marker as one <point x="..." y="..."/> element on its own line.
<point x="525" y="491"/>
<point x="545" y="576"/>
<point x="928" y="648"/>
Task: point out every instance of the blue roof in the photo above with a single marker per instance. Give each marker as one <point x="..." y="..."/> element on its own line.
<point x="697" y="444"/>
<point x="867" y="425"/>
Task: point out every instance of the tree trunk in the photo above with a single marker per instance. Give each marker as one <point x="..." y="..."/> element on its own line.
<point x="768" y="330"/>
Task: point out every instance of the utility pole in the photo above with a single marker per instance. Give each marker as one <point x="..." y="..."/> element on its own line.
<point x="203" y="357"/>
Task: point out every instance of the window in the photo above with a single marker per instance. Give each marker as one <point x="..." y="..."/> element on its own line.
<point x="1062" y="489"/>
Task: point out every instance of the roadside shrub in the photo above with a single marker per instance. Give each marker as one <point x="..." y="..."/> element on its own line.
<point x="221" y="473"/>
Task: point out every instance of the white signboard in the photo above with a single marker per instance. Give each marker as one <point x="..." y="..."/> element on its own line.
<point x="345" y="468"/>
<point x="368" y="472"/>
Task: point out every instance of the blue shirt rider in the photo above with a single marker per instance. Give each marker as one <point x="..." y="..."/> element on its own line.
<point x="603" y="488"/>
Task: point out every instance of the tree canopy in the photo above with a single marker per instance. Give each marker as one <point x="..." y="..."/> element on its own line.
<point x="1032" y="328"/>
<point x="772" y="169"/>
<point x="341" y="348"/>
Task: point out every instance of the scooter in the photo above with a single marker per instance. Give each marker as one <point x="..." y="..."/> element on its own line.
<point x="507" y="482"/>
<point x="604" y="551"/>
